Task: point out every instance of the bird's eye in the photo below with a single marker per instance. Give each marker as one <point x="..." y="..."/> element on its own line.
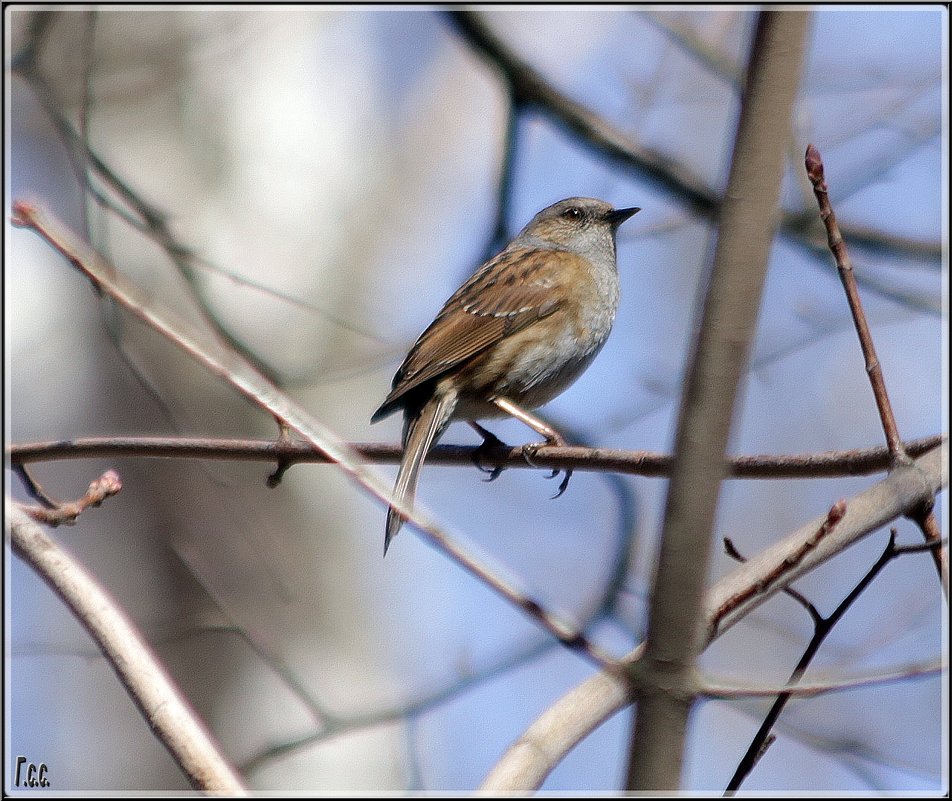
<point x="572" y="213"/>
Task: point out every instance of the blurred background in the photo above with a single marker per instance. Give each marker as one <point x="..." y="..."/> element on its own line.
<point x="323" y="178"/>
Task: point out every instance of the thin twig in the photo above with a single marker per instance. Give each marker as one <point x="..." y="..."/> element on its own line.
<point x="32" y="486"/>
<point x="66" y="512"/>
<point x="790" y="561"/>
<point x="830" y="464"/>
<point x="790" y="592"/>
<point x="924" y="518"/>
<point x="814" y="166"/>
<point x="822" y="626"/>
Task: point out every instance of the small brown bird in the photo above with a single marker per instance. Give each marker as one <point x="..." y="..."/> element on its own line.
<point x="514" y="336"/>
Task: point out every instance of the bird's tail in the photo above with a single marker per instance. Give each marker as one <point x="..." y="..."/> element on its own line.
<point x="419" y="435"/>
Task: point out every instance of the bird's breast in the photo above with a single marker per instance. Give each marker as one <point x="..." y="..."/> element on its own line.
<point x="536" y="364"/>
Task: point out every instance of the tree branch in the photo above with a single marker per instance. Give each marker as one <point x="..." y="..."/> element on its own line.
<point x="158" y="699"/>
<point x="828" y="464"/>
<point x="729" y="321"/>
<point x="242" y="376"/>
<point x="923" y="516"/>
<point x="658" y="169"/>
<point x="579" y="712"/>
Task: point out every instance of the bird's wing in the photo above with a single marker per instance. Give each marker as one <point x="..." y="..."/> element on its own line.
<point x="493" y="304"/>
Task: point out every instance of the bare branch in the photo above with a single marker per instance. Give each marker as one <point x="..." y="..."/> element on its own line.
<point x="147" y="683"/>
<point x="924" y="516"/>
<point x="747" y="224"/>
<point x="660" y="170"/>
<point x="530" y="88"/>
<point x="579" y="712"/>
<point x="915" y="670"/>
<point x="844" y="266"/>
<point x="231" y="368"/>
<point x="829" y="464"/>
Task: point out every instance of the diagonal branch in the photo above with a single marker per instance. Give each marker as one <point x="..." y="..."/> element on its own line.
<point x="579" y="712"/>
<point x="530" y="88"/>
<point x="238" y="373"/>
<point x="168" y="713"/>
<point x="659" y="169"/>
<point x="923" y="516"/>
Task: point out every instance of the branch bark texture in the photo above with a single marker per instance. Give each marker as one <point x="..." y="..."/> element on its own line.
<point x="749" y="219"/>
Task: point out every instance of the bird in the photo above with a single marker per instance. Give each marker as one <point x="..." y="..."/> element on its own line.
<point x="515" y="335"/>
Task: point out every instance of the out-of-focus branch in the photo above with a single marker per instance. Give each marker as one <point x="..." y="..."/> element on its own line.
<point x="916" y="670"/>
<point x="710" y="58"/>
<point x="133" y="208"/>
<point x="504" y="183"/>
<point x="243" y="377"/>
<point x="529" y="87"/>
<point x="662" y="171"/>
<point x="147" y="683"/>
<point x="729" y="320"/>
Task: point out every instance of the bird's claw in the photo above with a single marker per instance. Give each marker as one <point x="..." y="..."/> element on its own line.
<point x="492" y="473"/>
<point x="563" y="484"/>
<point x="530" y="450"/>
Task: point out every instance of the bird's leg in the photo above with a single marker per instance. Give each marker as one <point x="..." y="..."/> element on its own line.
<point x="552" y="437"/>
<point x="490" y="441"/>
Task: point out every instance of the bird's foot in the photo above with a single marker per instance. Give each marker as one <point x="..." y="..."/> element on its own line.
<point x="531" y="449"/>
<point x="490" y="441"/>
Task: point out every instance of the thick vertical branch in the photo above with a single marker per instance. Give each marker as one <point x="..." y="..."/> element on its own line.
<point x="749" y="219"/>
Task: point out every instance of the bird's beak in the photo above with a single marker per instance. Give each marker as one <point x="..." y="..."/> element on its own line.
<point x="618" y="216"/>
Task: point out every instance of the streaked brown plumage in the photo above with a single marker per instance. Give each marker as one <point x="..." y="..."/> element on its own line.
<point x="514" y="336"/>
